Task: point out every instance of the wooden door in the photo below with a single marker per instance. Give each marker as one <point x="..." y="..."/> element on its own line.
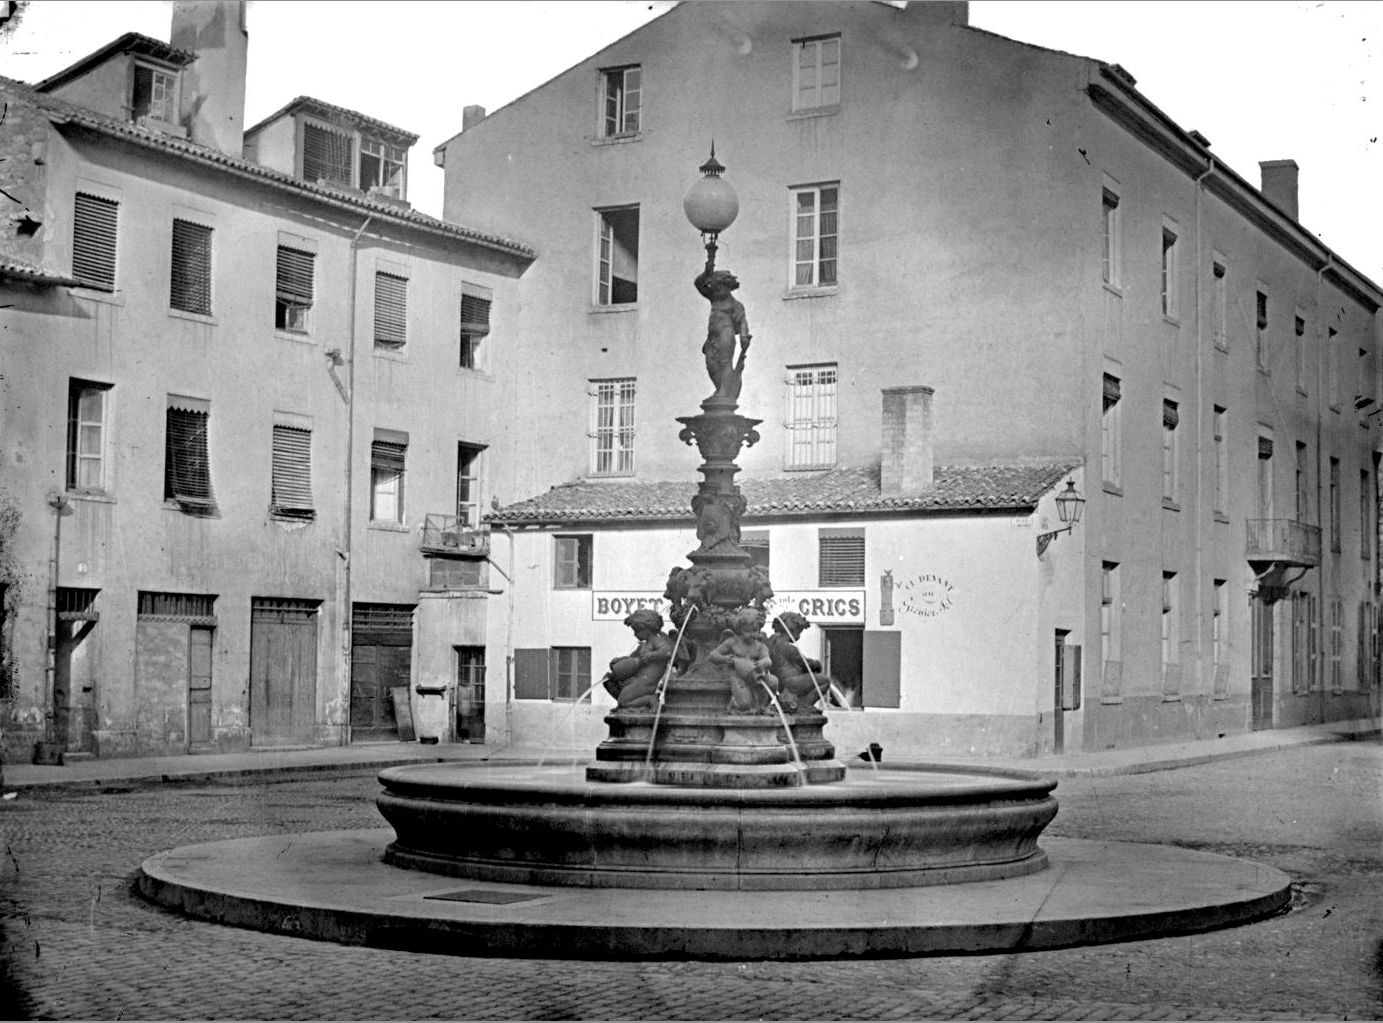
<point x="381" y="659"/>
<point x="283" y="671"/>
<point x="1261" y="684"/>
<point x="199" y="686"/>
<point x="470" y="694"/>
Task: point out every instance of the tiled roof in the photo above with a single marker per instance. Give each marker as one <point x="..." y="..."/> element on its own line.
<point x="987" y="488"/>
<point x="130" y="42"/>
<point x="63" y="113"/>
<point x="332" y="111"/>
<point x="17" y="270"/>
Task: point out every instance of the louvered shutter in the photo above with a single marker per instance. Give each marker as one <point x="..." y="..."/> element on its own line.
<point x="295" y="273"/>
<point x="326" y="156"/>
<point x="841" y="560"/>
<point x="1112" y="391"/>
<point x="391" y="310"/>
<point x="187" y="467"/>
<point x="191" y="270"/>
<point x="292" y="472"/>
<point x="94" y="224"/>
<point x="475" y="315"/>
<point x="1170" y="416"/>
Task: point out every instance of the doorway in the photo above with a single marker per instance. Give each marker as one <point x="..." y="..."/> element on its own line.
<point x="381" y="660"/>
<point x="1059" y="695"/>
<point x="1261" y="685"/>
<point x="283" y="670"/>
<point x="468" y="718"/>
<point x="842" y="658"/>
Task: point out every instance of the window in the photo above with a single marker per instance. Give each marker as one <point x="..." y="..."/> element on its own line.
<point x="293" y="289"/>
<point x="391" y="310"/>
<point x="1337" y="642"/>
<point x="811" y="416"/>
<point x="86" y="436"/>
<point x="94" y="228"/>
<point x="382" y="168"/>
<point x="816" y="227"/>
<point x="816" y="72"/>
<point x="1265" y="476"/>
<point x="617" y="256"/>
<point x="468" y="484"/>
<point x="840" y="557"/>
<point x="1111" y="616"/>
<point x="1365" y="514"/>
<point x="1335" y="505"/>
<point x="1299" y="336"/>
<point x="455" y="573"/>
<point x="291" y="490"/>
<point x="755" y="543"/>
<point x="571" y="673"/>
<point x="1303" y="642"/>
<point x="612" y="427"/>
<point x="621" y="91"/>
<point x="152" y="94"/>
<point x="1332" y="342"/>
<point x="1219" y="638"/>
<point x="572" y="562"/>
<point x="1260" y="333"/>
<point x="1169" y="271"/>
<point x="1302" y="480"/>
<point x="1170" y="419"/>
<point x="327" y="155"/>
<point x="1170" y="650"/>
<point x="1109" y="213"/>
<point x="475" y="323"/>
<point x="187" y="461"/>
<point x="1221" y="460"/>
<point x="1219" y="305"/>
<point x="388" y="455"/>
<point x="1110" y="439"/>
<point x="191" y="272"/>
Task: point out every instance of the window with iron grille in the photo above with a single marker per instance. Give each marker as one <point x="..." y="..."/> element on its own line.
<point x="572" y="562"/>
<point x="455" y="573"/>
<point x="383" y="168"/>
<point x="811" y="416"/>
<point x="816" y="72"/>
<point x="293" y="286"/>
<point x="86" y="436"/>
<point x="840" y="557"/>
<point x="388" y="454"/>
<point x="612" y="427"/>
<point x="291" y="495"/>
<point x="815" y="235"/>
<point x="327" y="155"/>
<point x="621" y="100"/>
<point x="190" y="289"/>
<point x="475" y="323"/>
<point x="468" y="484"/>
<point x="184" y="606"/>
<point x="95" y="224"/>
<point x="571" y="672"/>
<point x="187" y="459"/>
<point x="391" y="310"/>
<point x="77" y="604"/>
<point x="617" y="256"/>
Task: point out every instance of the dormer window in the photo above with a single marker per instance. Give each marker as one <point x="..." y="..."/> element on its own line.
<point x="153" y="95"/>
<point x="348" y="159"/>
<point x="382" y="167"/>
<point x="327" y="155"/>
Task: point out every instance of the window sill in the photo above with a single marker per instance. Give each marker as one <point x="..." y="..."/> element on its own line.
<point x="571" y="589"/>
<point x="478" y="374"/>
<point x="192" y="512"/>
<point x="100" y="295"/>
<point x="809" y="112"/>
<point x="398" y="354"/>
<point x="826" y="291"/>
<point x="303" y="519"/>
<point x="1221" y="518"/>
<point x="819" y="467"/>
<point x="1111" y="701"/>
<point x="1113" y="288"/>
<point x="94" y="496"/>
<point x="1171" y="698"/>
<point x="611" y="475"/>
<point x="1170" y="505"/>
<point x="389" y="527"/>
<point x="1221" y="345"/>
<point x="183" y="314"/>
<point x="1172" y="320"/>
<point x="617" y="140"/>
<point x="1112" y="489"/>
<point x="622" y="307"/>
<point x="301" y="337"/>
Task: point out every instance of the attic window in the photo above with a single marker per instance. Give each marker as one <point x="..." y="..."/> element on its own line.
<point x="327" y="155"/>
<point x="152" y="96"/>
<point x="382" y="168"/>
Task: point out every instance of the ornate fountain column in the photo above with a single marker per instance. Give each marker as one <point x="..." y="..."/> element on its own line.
<point x="717" y="720"/>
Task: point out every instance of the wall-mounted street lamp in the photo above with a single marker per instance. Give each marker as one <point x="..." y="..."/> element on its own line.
<point x="1069" y="505"/>
<point x="711" y="205"/>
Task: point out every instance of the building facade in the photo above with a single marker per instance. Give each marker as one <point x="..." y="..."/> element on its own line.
<point x="1077" y="280"/>
<point x="245" y="412"/>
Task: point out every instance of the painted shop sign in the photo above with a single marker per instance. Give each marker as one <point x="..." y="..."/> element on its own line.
<point x="924" y="595"/>
<point x="828" y="607"/>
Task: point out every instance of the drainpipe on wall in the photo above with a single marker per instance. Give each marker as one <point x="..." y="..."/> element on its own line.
<point x="58" y="502"/>
<point x="1198" y="513"/>
<point x="1322" y="409"/>
<point x="346" y="549"/>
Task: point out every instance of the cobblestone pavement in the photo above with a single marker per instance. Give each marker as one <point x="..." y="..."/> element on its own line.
<point x="78" y="944"/>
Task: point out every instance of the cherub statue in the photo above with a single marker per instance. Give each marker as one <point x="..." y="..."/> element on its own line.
<point x="800" y="679"/>
<point x="633" y="680"/>
<point x="743" y="649"/>
<point x="726" y="324"/>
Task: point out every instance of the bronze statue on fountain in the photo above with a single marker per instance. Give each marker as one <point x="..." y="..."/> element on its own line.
<point x="717" y="716"/>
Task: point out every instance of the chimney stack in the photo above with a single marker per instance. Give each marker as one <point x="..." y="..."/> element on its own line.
<point x="906" y="463"/>
<point x="471" y="116"/>
<point x="213" y="86"/>
<point x="1280" y="184"/>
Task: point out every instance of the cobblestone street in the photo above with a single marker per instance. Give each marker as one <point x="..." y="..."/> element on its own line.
<point x="79" y="944"/>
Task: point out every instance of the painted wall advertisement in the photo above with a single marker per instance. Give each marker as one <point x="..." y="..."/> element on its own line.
<point x="821" y="607"/>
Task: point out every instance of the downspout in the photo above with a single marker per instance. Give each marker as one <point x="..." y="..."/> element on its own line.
<point x="58" y="502"/>
<point x="1198" y="513"/>
<point x="349" y="499"/>
<point x="1322" y="408"/>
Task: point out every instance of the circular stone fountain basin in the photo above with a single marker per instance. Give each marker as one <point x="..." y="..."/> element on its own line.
<point x="877" y="829"/>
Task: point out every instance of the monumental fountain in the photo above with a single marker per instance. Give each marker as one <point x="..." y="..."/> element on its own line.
<point x="716" y="820"/>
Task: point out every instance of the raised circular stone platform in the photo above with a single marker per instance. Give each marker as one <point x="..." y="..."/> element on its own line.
<point x="335" y="886"/>
<point x="877" y="829"/>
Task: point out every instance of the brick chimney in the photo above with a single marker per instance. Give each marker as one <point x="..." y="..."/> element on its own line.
<point x="213" y="86"/>
<point x="471" y="116"/>
<point x="1280" y="184"/>
<point x="906" y="462"/>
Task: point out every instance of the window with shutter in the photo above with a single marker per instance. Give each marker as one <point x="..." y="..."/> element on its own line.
<point x="187" y="461"/>
<point x="86" y="436"/>
<point x="291" y="495"/>
<point x="191" y="270"/>
<point x="387" y="459"/>
<point x="622" y="90"/>
<point x="475" y="326"/>
<point x="572" y="563"/>
<point x="571" y="673"/>
<point x="293" y="289"/>
<point x="327" y="155"/>
<point x="94" y="226"/>
<point x="841" y="557"/>
<point x="391" y="310"/>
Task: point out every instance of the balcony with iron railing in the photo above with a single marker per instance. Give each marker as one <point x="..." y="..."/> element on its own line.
<point x="1283" y="542"/>
<point x="450" y="535"/>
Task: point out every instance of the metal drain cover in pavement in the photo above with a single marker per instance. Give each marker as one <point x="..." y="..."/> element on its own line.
<point x="480" y="895"/>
